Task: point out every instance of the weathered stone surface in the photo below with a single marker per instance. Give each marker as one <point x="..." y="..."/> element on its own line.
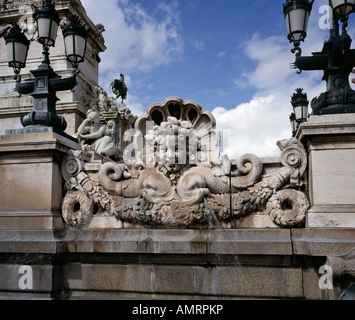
<point x="187" y="280"/>
<point x="182" y="242"/>
<point x="224" y="242"/>
<point x="332" y="173"/>
<point x="323" y="242"/>
<point x="330" y="141"/>
<point x="331" y="217"/>
<point x="177" y="177"/>
<point x="311" y="285"/>
<point x="41" y="275"/>
<point x="31" y="180"/>
<point x="179" y="263"/>
<point x="45" y="220"/>
<point x="121" y="252"/>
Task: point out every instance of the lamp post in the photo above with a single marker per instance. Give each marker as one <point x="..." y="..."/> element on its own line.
<point x="299" y="102"/>
<point x="336" y="58"/>
<point x="46" y="82"/>
<point x="294" y="124"/>
<point x="17" y="46"/>
<point x="297" y="15"/>
<point x="299" y="115"/>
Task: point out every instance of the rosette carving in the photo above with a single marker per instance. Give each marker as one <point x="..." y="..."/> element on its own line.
<point x="72" y="165"/>
<point x="77" y="209"/>
<point x="288" y="208"/>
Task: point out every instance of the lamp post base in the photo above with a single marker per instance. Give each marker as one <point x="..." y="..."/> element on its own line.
<point x="39" y="129"/>
<point x="335" y="109"/>
<point x="44" y="119"/>
<point x="339" y="98"/>
<point x="43" y="89"/>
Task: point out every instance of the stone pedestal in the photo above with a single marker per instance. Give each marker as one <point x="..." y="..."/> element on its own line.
<point x="330" y="144"/>
<point x="31" y="181"/>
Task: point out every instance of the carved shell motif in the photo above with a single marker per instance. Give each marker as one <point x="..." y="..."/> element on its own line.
<point x="182" y="110"/>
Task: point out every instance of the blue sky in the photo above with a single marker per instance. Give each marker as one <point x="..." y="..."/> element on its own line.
<point x="230" y="56"/>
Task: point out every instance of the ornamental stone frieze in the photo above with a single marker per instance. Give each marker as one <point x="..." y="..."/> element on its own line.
<point x="173" y="176"/>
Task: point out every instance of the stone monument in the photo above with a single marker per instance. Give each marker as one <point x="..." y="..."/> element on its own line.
<point x="148" y="207"/>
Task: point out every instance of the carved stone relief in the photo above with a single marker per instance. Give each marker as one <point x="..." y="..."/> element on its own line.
<point x="173" y="176"/>
<point x="102" y="130"/>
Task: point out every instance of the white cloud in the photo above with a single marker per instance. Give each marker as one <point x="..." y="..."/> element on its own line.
<point x="257" y="125"/>
<point x="136" y="40"/>
<point x="254" y="127"/>
<point x="140" y="41"/>
<point x="199" y="45"/>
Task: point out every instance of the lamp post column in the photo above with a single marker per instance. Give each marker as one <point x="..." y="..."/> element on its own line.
<point x="44" y="108"/>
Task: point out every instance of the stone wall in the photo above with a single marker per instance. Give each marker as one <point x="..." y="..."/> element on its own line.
<point x="169" y="264"/>
<point x="253" y="258"/>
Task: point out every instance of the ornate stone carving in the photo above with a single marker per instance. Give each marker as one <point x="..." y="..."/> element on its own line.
<point x="95" y="137"/>
<point x="15" y="4"/>
<point x="174" y="176"/>
<point x="27" y="21"/>
<point x="84" y="193"/>
<point x="102" y="130"/>
<point x="288" y="208"/>
<point x="77" y="209"/>
<point x="293" y="157"/>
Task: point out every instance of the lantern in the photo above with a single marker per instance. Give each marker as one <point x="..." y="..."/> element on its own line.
<point x="17" y="46"/>
<point x="48" y="20"/>
<point x="297" y="14"/>
<point x="75" y="38"/>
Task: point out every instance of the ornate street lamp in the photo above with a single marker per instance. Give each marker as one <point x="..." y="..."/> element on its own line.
<point x="46" y="82"/>
<point x="342" y="8"/>
<point x="294" y="124"/>
<point x="300" y="104"/>
<point x="17" y="46"/>
<point x="297" y="14"/>
<point x="336" y="58"/>
<point x="75" y="38"/>
<point x="47" y="19"/>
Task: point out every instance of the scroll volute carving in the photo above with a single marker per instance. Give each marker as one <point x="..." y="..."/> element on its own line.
<point x="294" y="157"/>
